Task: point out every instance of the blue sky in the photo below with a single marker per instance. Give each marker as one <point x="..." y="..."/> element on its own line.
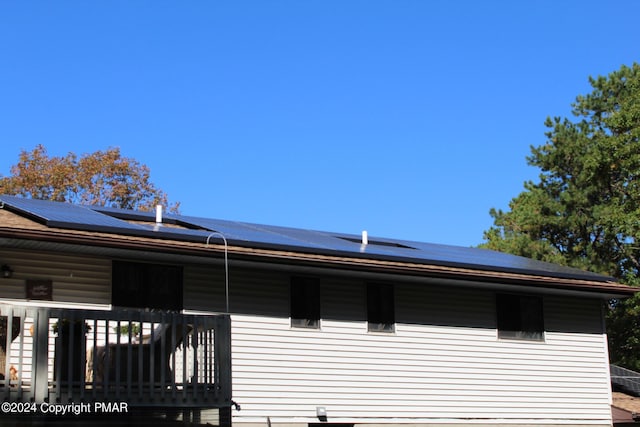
<point x="409" y="119"/>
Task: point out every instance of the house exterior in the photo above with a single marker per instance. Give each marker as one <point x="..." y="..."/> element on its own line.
<point x="325" y="328"/>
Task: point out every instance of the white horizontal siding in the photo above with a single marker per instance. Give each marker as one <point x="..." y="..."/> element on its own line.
<point x="204" y="288"/>
<point x="75" y="278"/>
<point x="444" y="362"/>
<point x="433" y="368"/>
<point x="360" y="378"/>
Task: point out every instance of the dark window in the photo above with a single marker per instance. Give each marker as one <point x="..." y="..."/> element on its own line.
<point x="305" y="302"/>
<point x="143" y="285"/>
<point x="380" y="308"/>
<point x="520" y="317"/>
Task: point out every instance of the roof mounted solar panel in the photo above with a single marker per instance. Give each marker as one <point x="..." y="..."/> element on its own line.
<point x="244" y="233"/>
<point x="277" y="237"/>
<point x="126" y="214"/>
<point x="625" y="380"/>
<point x="195" y="229"/>
<point x="96" y="219"/>
<point x="286" y="238"/>
<point x="67" y="215"/>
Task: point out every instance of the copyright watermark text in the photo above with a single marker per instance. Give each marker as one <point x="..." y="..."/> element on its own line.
<point x="64" y="408"/>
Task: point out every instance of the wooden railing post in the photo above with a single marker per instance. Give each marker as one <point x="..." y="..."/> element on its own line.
<point x="222" y="356"/>
<point x="224" y="416"/>
<point x="40" y="374"/>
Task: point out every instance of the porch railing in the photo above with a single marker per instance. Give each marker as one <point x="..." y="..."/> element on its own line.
<point x="147" y="359"/>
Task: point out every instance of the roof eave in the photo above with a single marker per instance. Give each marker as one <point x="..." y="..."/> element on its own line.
<point x="601" y="289"/>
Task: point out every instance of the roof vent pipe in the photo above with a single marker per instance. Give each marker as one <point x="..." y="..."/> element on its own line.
<point x="158" y="214"/>
<point x="365" y="237"/>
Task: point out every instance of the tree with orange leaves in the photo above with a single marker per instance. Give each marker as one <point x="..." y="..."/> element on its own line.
<point x="103" y="178"/>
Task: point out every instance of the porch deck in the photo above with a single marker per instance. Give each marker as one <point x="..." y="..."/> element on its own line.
<point x="146" y="359"/>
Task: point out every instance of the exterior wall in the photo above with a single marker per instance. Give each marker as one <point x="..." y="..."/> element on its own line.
<point x="76" y="278"/>
<point x="443" y="364"/>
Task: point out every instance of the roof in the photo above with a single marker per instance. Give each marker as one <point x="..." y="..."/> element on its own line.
<point x="182" y="230"/>
<point x="625" y="384"/>
<point x="625" y="380"/>
<point x="624" y="409"/>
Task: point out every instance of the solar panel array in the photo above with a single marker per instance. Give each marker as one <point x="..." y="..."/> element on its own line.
<point x="196" y="229"/>
<point x="65" y="215"/>
<point x="625" y="380"/>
